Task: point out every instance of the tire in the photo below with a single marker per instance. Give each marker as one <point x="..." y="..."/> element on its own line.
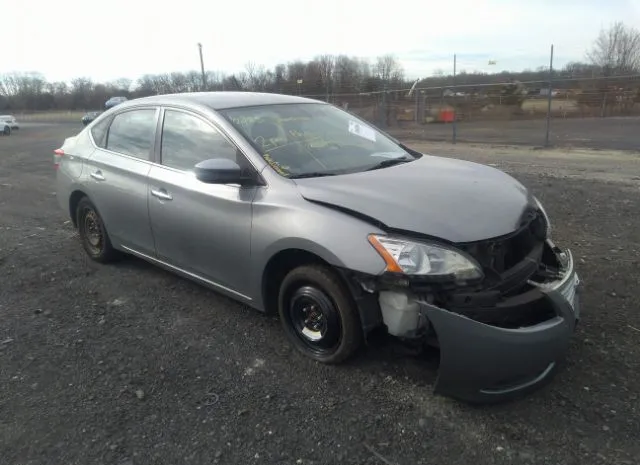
<point x="6" y="131"/>
<point x="331" y="332"/>
<point x="93" y="233"/>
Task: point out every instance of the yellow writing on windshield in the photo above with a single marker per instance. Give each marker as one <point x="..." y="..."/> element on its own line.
<point x="294" y="118"/>
<point x="282" y="170"/>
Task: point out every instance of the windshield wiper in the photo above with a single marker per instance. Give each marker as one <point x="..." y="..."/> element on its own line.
<point x="390" y="162"/>
<point x="313" y="174"/>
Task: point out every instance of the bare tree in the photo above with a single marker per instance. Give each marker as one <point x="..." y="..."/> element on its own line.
<point x="122" y="84"/>
<point x="279" y="77"/>
<point x="388" y="68"/>
<point x="194" y="81"/>
<point x="241" y="80"/>
<point x="350" y="74"/>
<point x="616" y="50"/>
<point x="215" y="80"/>
<point x="576" y="69"/>
<point x="326" y="66"/>
<point x="258" y="78"/>
<point x="251" y="69"/>
<point x="178" y="82"/>
<point x="144" y="85"/>
<point x="23" y="84"/>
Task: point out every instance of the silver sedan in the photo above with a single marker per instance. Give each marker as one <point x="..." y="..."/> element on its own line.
<point x="296" y="207"/>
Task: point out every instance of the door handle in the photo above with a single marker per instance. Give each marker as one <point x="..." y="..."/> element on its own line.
<point x="161" y="194"/>
<point x="97" y="175"/>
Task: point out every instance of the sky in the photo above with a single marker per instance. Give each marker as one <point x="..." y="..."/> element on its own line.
<point x="106" y="40"/>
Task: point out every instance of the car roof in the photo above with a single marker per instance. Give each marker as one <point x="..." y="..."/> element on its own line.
<point x="223" y="100"/>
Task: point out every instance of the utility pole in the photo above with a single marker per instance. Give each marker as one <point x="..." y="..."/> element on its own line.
<point x="549" y="97"/>
<point x="204" y="78"/>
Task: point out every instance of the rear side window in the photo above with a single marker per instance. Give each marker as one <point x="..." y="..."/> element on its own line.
<point x="187" y="140"/>
<point x="132" y="132"/>
<point x="99" y="133"/>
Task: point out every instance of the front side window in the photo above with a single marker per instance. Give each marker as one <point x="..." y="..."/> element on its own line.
<point x="132" y="132"/>
<point x="314" y="139"/>
<point x="187" y="140"/>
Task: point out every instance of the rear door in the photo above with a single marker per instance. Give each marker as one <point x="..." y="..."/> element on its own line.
<point x="201" y="228"/>
<point x="118" y="173"/>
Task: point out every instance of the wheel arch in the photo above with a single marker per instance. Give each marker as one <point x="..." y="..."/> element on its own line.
<point x="285" y="260"/>
<point x="74" y="200"/>
<point x="277" y="267"/>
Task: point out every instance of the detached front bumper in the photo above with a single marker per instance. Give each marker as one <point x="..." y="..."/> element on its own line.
<point x="485" y="363"/>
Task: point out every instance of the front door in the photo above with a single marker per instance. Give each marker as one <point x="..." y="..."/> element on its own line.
<point x="202" y="228"/>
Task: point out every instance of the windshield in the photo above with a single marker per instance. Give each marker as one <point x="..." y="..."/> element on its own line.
<point x="314" y="139"/>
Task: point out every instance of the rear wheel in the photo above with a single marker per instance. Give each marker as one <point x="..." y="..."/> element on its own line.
<point x="319" y="315"/>
<point x="93" y="234"/>
<point x="6" y="131"/>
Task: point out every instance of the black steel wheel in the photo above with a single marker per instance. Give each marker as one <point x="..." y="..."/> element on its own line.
<point x="315" y="319"/>
<point x="93" y="233"/>
<point x="319" y="315"/>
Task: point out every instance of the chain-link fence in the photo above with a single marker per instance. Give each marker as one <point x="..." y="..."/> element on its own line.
<point x="589" y="112"/>
<point x="568" y="107"/>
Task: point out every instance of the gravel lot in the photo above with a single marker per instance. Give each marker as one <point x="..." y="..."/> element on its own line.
<point x="128" y="364"/>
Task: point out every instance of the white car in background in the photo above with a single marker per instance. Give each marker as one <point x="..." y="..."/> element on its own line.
<point x="10" y="120"/>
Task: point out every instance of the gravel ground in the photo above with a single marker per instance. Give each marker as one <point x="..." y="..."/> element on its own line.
<point x="128" y="364"/>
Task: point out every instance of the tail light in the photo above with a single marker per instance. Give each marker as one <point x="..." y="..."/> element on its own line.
<point x="57" y="157"/>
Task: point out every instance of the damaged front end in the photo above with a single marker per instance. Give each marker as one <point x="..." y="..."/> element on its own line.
<point x="497" y="337"/>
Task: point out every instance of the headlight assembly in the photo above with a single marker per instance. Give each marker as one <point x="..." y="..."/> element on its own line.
<point x="424" y="259"/>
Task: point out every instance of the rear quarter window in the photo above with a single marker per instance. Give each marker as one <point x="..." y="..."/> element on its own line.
<point x="99" y="132"/>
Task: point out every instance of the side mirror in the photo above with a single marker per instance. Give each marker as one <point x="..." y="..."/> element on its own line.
<point x="219" y="171"/>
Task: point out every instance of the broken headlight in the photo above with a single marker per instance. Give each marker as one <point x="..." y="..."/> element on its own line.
<point x="544" y="214"/>
<point x="424" y="259"/>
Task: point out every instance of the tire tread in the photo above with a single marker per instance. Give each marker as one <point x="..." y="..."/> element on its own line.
<point x="331" y="283"/>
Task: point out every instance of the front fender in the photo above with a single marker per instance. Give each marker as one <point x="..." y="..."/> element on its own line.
<point x="293" y="223"/>
<point x="301" y="243"/>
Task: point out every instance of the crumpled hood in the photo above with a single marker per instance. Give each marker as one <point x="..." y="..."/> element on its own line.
<point x="450" y="199"/>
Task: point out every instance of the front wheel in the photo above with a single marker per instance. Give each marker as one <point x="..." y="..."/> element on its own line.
<point x="319" y="315"/>
<point x="6" y="131"/>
